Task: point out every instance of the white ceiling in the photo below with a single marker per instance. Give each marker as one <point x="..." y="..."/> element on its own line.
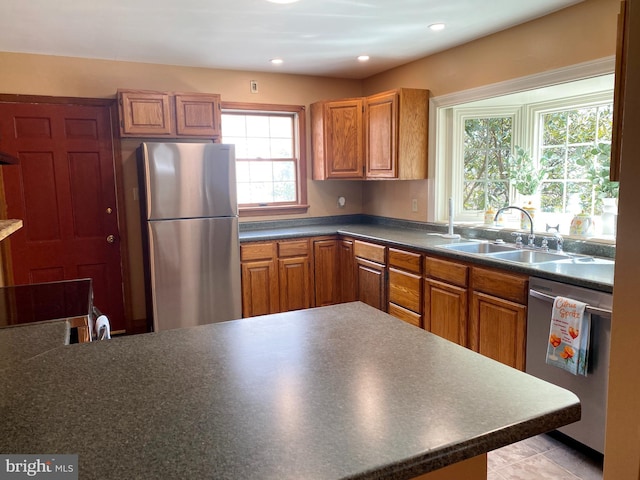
<point x="315" y="37"/>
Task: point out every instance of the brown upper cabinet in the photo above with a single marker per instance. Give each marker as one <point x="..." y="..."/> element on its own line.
<point x="337" y="139"/>
<point x="169" y="115"/>
<point x="383" y="136"/>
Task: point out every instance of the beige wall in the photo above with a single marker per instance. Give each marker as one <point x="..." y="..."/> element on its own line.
<point x="584" y="32"/>
<point x="74" y="77"/>
<point x="622" y="454"/>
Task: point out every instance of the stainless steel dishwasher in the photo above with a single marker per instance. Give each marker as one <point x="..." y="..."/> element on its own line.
<point x="591" y="389"/>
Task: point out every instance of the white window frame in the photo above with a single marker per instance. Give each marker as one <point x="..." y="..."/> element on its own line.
<point x="440" y="182"/>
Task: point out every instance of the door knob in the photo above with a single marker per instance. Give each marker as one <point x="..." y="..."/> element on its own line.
<point x="111" y="238"/>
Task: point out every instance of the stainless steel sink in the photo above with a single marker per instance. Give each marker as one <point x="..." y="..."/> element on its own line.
<point x="525" y="256"/>
<point x="528" y="256"/>
<point x="479" y="247"/>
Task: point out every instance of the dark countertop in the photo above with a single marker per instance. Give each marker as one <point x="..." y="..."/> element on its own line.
<point x="598" y="277"/>
<point x="336" y="392"/>
<point x="21" y="342"/>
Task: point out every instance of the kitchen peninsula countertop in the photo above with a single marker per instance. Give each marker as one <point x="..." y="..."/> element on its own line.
<point x="598" y="277"/>
<point x="335" y="392"/>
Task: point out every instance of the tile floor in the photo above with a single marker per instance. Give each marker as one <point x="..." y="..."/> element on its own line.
<point x="543" y="457"/>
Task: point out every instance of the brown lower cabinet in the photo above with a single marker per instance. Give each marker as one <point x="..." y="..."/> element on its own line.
<point x="498" y="316"/>
<point x="371" y="274"/>
<point x="405" y="286"/>
<point x="294" y="275"/>
<point x="482" y="308"/>
<point x="446" y="299"/>
<point x="347" y="280"/>
<point x="259" y="279"/>
<point x="326" y="269"/>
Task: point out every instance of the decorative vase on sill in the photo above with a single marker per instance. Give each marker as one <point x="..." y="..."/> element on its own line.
<point x="609" y="216"/>
<point x="581" y="225"/>
<point x="526" y="178"/>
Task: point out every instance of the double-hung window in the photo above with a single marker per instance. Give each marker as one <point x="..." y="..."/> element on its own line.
<point x="270" y="163"/>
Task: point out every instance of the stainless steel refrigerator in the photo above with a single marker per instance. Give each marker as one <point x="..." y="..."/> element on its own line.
<point x="191" y="249"/>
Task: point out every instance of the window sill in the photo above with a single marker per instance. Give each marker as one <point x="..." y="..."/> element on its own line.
<point x="597" y="238"/>
<point x="272" y="210"/>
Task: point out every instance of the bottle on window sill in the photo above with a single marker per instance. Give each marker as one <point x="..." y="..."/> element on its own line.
<point x="489" y="215"/>
<point x="524" y="221"/>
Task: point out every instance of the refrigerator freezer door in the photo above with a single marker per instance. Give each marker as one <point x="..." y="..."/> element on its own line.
<point x="189" y="180"/>
<point x="195" y="271"/>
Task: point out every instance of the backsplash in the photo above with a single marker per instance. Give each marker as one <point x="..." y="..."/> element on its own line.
<point x="581" y="246"/>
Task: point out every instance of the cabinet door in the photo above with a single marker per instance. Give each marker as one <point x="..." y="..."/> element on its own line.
<point x="326" y="272"/>
<point x="371" y="283"/>
<point x="348" y="285"/>
<point x="381" y="135"/>
<point x="259" y="288"/>
<point x="198" y="115"/>
<point x="445" y="311"/>
<point x="295" y="291"/>
<point x="144" y="114"/>
<point x="343" y="139"/>
<point x="498" y="329"/>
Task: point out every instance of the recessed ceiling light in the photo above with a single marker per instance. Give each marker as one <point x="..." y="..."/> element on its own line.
<point x="276" y="61"/>
<point x="282" y="1"/>
<point x="436" y="27"/>
<point x="363" y="58"/>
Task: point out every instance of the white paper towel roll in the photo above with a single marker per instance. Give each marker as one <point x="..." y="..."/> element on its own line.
<point x="102" y="328"/>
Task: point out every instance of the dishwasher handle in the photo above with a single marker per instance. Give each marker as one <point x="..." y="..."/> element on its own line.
<point x="588" y="309"/>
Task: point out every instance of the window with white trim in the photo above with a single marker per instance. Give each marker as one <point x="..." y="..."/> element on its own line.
<point x="270" y="166"/>
<point x="567" y="137"/>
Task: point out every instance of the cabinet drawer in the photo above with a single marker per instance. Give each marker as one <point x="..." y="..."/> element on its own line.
<point x="447" y="271"/>
<point x="412" y="262"/>
<point x="257" y="251"/>
<point x="501" y="284"/>
<point x="294" y="248"/>
<point x="405" y="289"/>
<point x="406" y="315"/>
<point x="369" y="251"/>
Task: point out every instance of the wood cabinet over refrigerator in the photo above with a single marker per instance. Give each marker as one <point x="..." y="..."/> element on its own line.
<point x="169" y="115"/>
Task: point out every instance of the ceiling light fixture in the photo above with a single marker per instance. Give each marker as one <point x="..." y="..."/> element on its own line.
<point x="276" y="61"/>
<point x="363" y="58"/>
<point x="436" y="27"/>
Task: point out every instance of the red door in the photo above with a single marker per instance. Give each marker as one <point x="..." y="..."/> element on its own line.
<point x="64" y="191"/>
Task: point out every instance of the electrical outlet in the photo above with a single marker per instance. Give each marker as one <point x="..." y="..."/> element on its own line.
<point x="253" y="86"/>
<point x="414" y="205"/>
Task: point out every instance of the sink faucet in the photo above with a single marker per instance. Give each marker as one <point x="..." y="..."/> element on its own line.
<point x="545" y="243"/>
<point x="559" y="242"/>
<point x="532" y="237"/>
